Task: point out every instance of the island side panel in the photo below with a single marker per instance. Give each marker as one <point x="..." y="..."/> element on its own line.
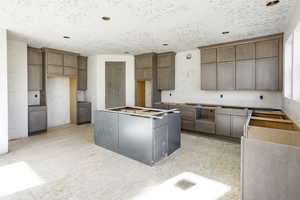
<point x="135" y="138"/>
<point x="106" y="130"/>
<point x="174" y="132"/>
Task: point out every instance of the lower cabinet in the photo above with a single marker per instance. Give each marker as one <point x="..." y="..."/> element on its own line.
<point x="237" y="125"/>
<point x="83" y="112"/>
<point x="37" y="119"/>
<point x="223" y="124"/>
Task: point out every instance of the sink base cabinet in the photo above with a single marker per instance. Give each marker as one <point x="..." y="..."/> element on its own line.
<point x="143" y="139"/>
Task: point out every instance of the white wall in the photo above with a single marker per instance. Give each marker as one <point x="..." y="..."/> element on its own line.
<point x="188" y="84"/>
<point x="3" y="93"/>
<point x="17" y="89"/>
<point x="58" y="101"/>
<point x="292" y="107"/>
<point x="96" y="79"/>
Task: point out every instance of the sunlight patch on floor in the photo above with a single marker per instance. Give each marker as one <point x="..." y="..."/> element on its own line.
<point x="17" y="177"/>
<point x="186" y="186"/>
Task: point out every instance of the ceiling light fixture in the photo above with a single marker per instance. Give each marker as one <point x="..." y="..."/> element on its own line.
<point x="126" y="52"/>
<point x="165" y="44"/>
<point x="272" y="3"/>
<point x="105" y="18"/>
<point x="225" y="32"/>
<point x="66" y="37"/>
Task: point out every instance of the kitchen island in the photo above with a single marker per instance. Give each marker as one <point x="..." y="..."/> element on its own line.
<point x="144" y="134"/>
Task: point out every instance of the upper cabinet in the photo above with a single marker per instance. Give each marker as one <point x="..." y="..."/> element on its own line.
<point x="145" y="66"/>
<point x="166" y="71"/>
<point x="209" y="55"/>
<point x="60" y="63"/>
<point x="226" y="54"/>
<point x="35" y="69"/>
<point x="253" y="64"/>
<point x="82" y="73"/>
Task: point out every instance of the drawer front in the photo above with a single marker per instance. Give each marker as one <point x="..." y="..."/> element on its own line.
<point x="70" y="71"/>
<point x="55" y="70"/>
<point x="205" y="127"/>
<point x="55" y="59"/>
<point x="230" y="111"/>
<point x="187" y="125"/>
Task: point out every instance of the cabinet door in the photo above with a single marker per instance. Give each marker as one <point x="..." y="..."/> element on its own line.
<point x="209" y="55"/>
<point x="267" y="74"/>
<point x="209" y="76"/>
<point x="245" y="51"/>
<point x="266" y="49"/>
<point x="147" y="73"/>
<point x="70" y="72"/>
<point x="223" y="124"/>
<point x="35" y="57"/>
<point x="55" y="59"/>
<point x="187" y="125"/>
<point x="37" y="121"/>
<point x="70" y="60"/>
<point x="144" y="61"/>
<point x="226" y="76"/>
<point x="55" y="70"/>
<point x="245" y="75"/>
<point x="226" y="54"/>
<point x="237" y="125"/>
<point x="35" y="77"/>
<point x="165" y="79"/>
<point x="84" y="113"/>
<point x="82" y="80"/>
<point x="82" y="62"/>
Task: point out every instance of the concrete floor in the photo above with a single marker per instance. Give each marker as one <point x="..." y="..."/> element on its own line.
<point x="65" y="164"/>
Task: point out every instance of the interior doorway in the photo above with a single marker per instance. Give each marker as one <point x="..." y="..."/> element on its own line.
<point x="115" y="84"/>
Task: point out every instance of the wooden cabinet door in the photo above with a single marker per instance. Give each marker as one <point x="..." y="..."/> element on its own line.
<point x="165" y="79"/>
<point x="237" y="125"/>
<point x="35" y="57"/>
<point x="144" y="61"/>
<point x="223" y="124"/>
<point x="267" y="74"/>
<point x="55" y="70"/>
<point x="35" y="77"/>
<point x="209" y="55"/>
<point x="70" y="60"/>
<point x="245" y="51"/>
<point x="82" y="80"/>
<point x="84" y="113"/>
<point x="266" y="49"/>
<point x="70" y="72"/>
<point x="209" y="76"/>
<point x="187" y="125"/>
<point x="82" y="62"/>
<point x="245" y="75"/>
<point x="147" y="73"/>
<point x="226" y="76"/>
<point x="226" y="54"/>
<point x="55" y="59"/>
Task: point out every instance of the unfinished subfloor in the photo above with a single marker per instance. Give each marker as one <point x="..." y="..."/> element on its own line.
<point x="66" y="164"/>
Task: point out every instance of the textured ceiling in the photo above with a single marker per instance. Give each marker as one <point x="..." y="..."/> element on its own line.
<point x="139" y="26"/>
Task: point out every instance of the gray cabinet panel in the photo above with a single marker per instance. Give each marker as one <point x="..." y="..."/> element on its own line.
<point x="82" y="62"/>
<point x="55" y="70"/>
<point x="266" y="49"/>
<point x="148" y="74"/>
<point x="226" y="54"/>
<point x="205" y="126"/>
<point x="187" y="125"/>
<point x="267" y="74"/>
<point x="35" y="77"/>
<point x="174" y="132"/>
<point x="226" y="76"/>
<point x="83" y="112"/>
<point x="164" y="60"/>
<point x="35" y="56"/>
<point x="209" y="76"/>
<point x="70" y="72"/>
<point x="144" y="61"/>
<point x="82" y="80"/>
<point x="209" y="55"/>
<point x="37" y="119"/>
<point x="245" y="75"/>
<point x="70" y="60"/>
<point x="55" y="58"/>
<point x="223" y="124"/>
<point x="245" y="51"/>
<point x="165" y="79"/>
<point x="237" y="125"/>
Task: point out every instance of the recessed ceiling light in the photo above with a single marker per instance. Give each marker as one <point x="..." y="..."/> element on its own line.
<point x="66" y="37"/>
<point x="225" y="32"/>
<point x="272" y="3"/>
<point x="165" y="44"/>
<point x="126" y="52"/>
<point x="105" y="18"/>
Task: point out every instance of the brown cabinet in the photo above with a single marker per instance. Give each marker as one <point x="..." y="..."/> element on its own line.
<point x="226" y="54"/>
<point x="35" y="69"/>
<point x="245" y="51"/>
<point x="209" y="55"/>
<point x="166" y="71"/>
<point x="226" y="76"/>
<point x="267" y="74"/>
<point x="82" y="73"/>
<point x="209" y="76"/>
<point x="266" y="49"/>
<point x="245" y="75"/>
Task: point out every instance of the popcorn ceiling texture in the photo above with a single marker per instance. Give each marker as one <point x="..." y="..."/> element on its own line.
<point x="139" y="26"/>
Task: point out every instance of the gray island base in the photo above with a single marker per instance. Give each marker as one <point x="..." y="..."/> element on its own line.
<point x="145" y="135"/>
